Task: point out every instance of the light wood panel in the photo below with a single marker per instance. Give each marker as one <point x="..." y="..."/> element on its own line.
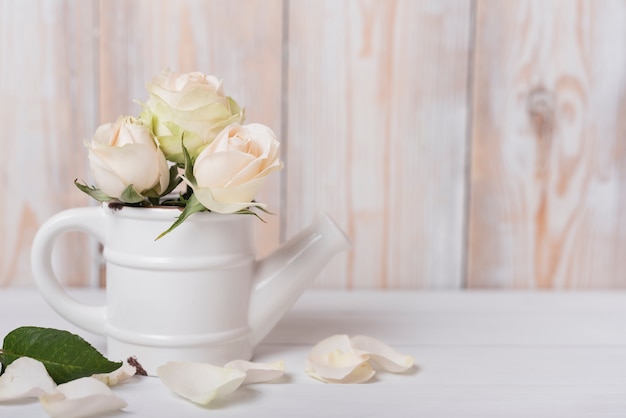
<point x="548" y="190"/>
<point x="239" y="42"/>
<point x="376" y="135"/>
<point x="47" y="110"/>
<point x="371" y="101"/>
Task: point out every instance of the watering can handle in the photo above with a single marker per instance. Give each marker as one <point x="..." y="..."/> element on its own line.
<point x="90" y="220"/>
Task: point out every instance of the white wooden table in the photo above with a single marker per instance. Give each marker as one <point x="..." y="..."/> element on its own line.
<point x="479" y="354"/>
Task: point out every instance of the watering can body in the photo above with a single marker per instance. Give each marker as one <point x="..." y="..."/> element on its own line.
<point x="196" y="294"/>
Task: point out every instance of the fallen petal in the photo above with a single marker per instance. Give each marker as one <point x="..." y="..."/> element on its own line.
<point x="258" y="372"/>
<point x="80" y="398"/>
<point x="334" y="360"/>
<point x="117" y="376"/>
<point x="25" y="378"/>
<point x="200" y="382"/>
<point x="358" y="374"/>
<point x="387" y="357"/>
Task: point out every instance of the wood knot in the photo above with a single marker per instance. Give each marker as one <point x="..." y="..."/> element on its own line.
<point x="540" y="107"/>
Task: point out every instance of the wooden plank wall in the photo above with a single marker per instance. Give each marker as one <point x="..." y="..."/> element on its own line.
<point x="461" y="143"/>
<point x="548" y="179"/>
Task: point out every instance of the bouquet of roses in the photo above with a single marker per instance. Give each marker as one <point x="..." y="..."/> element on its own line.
<point x="188" y="132"/>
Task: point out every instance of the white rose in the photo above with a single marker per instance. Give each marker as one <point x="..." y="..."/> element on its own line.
<point x="125" y="153"/>
<point x="233" y="167"/>
<point x="190" y="106"/>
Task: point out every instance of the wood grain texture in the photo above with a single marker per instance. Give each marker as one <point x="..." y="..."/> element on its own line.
<point x="372" y="103"/>
<point x="548" y="185"/>
<point x="239" y="42"/>
<point x="376" y="135"/>
<point x="47" y="110"/>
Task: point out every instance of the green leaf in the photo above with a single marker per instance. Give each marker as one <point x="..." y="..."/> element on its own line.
<point x="249" y="211"/>
<point x="193" y="206"/>
<point x="66" y="356"/>
<point x="175" y="180"/>
<point x="130" y="195"/>
<point x="93" y="192"/>
<point x="188" y="164"/>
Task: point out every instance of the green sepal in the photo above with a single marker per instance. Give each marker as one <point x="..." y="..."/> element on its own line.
<point x="192" y="206"/>
<point x="188" y="164"/>
<point x="173" y="182"/>
<point x="66" y="356"/>
<point x="93" y="192"/>
<point x="130" y="195"/>
<point x="249" y="211"/>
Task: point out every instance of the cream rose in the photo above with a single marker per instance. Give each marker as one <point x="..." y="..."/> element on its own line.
<point x="230" y="170"/>
<point x="191" y="106"/>
<point x="125" y="153"/>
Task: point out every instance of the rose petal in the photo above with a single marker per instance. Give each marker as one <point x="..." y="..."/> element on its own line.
<point x="79" y="398"/>
<point x="195" y="104"/>
<point x="125" y="372"/>
<point x="25" y="378"/>
<point x="387" y="357"/>
<point x="334" y="360"/>
<point x="218" y="169"/>
<point x="231" y="169"/>
<point x="134" y="164"/>
<point x="258" y="372"/>
<point x="210" y="200"/>
<point x="107" y="180"/>
<point x="358" y="374"/>
<point x="200" y="382"/>
<point x="244" y="192"/>
<point x="126" y="153"/>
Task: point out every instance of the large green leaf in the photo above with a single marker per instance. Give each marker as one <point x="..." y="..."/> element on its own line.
<point x="66" y="356"/>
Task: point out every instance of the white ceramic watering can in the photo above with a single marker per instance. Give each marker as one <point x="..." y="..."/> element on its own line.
<point x="197" y="294"/>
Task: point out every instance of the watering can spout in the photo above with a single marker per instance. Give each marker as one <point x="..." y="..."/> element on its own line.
<point x="281" y="277"/>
